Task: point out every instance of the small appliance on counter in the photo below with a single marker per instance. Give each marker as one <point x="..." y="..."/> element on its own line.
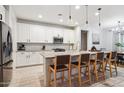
<point x="21" y="47"/>
<point x="44" y="47"/>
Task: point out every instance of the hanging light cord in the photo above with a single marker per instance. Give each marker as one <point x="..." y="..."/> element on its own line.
<point x="99" y="10"/>
<point x="69" y="12"/>
<point x="86" y="14"/>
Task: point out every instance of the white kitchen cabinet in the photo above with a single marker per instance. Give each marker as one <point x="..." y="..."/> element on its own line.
<point x="58" y="32"/>
<point x="2" y="11"/>
<point x="69" y="36"/>
<point x="72" y="36"/>
<point x="49" y="33"/>
<point x="37" y="34"/>
<point x="35" y="58"/>
<point x="66" y="36"/>
<point x="23" y="32"/>
<point x="21" y="59"/>
<point x="42" y="34"/>
<point x="28" y="58"/>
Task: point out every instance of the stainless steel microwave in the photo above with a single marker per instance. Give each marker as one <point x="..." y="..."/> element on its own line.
<point x="58" y="40"/>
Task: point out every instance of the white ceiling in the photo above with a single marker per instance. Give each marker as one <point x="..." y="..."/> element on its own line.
<point x="110" y="14"/>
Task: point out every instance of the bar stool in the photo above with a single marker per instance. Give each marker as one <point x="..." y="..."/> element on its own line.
<point x="111" y="61"/>
<point x="99" y="66"/>
<point x="61" y="63"/>
<point x="83" y="62"/>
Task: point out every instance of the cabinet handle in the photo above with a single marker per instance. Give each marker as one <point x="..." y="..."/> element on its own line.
<point x="22" y="53"/>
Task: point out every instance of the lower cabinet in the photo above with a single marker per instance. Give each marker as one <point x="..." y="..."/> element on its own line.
<point x="28" y="58"/>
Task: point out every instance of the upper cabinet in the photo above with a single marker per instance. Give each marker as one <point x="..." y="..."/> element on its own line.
<point x="23" y="32"/>
<point x="37" y="34"/>
<point x="2" y="12"/>
<point x="31" y="33"/>
<point x="69" y="36"/>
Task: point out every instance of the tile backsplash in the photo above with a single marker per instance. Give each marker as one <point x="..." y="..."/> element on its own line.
<point x="38" y="47"/>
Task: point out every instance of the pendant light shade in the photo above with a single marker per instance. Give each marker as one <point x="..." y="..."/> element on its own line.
<point x="99" y="11"/>
<point x="86" y="17"/>
<point x="86" y="14"/>
<point x="70" y="21"/>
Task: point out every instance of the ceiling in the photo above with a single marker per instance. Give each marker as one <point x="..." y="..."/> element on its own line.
<point x="110" y="14"/>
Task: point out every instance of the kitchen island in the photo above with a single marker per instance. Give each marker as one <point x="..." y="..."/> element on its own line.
<point x="49" y="56"/>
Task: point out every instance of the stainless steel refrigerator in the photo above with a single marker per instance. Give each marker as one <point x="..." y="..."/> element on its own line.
<point x="5" y="55"/>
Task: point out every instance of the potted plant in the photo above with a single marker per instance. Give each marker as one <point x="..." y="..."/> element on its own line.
<point x="119" y="46"/>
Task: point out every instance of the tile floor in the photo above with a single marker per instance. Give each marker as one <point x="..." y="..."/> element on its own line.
<point x="33" y="77"/>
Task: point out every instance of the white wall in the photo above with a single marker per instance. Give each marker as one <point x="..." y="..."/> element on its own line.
<point x="12" y="24"/>
<point x="106" y="38"/>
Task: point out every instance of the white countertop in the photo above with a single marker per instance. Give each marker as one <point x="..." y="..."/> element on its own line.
<point x="72" y="53"/>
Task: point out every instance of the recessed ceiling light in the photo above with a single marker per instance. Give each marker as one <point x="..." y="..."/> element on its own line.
<point x="40" y="16"/>
<point x="77" y="7"/>
<point x="96" y="14"/>
<point x="76" y="23"/>
<point x="113" y="29"/>
<point x="61" y="20"/>
<point x="59" y="14"/>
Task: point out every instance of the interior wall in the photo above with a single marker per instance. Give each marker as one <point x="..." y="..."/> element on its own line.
<point x="12" y="24"/>
<point x="106" y="38"/>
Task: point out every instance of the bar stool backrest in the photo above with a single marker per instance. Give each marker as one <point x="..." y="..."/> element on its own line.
<point x="85" y="58"/>
<point x="62" y="59"/>
<point x="113" y="54"/>
<point x="100" y="56"/>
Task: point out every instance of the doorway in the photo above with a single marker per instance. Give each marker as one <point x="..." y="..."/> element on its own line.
<point x="84" y="40"/>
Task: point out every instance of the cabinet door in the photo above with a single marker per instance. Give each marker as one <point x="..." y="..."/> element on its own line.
<point x="49" y="33"/>
<point x="21" y="59"/>
<point x="58" y="32"/>
<point x="37" y="34"/>
<point x="23" y="32"/>
<point x="41" y="59"/>
<point x="34" y="58"/>
<point x="2" y="11"/>
<point x="66" y="36"/>
<point x="69" y="36"/>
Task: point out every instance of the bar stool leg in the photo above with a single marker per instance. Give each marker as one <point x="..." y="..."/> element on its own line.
<point x="54" y="78"/>
<point x="89" y="77"/>
<point x="103" y="70"/>
<point x="116" y="67"/>
<point x="95" y="70"/>
<point x="79" y="75"/>
<point x="62" y="76"/>
<point x="49" y="77"/>
<point x="69" y="77"/>
<point x="110" y="68"/>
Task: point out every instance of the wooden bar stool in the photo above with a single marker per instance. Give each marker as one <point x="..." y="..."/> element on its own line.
<point x="99" y="66"/>
<point x="111" y="60"/>
<point x="83" y="62"/>
<point x="61" y="63"/>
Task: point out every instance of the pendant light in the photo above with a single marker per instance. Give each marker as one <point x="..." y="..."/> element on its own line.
<point x="99" y="11"/>
<point x="119" y="27"/>
<point x="70" y="16"/>
<point x="86" y="16"/>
